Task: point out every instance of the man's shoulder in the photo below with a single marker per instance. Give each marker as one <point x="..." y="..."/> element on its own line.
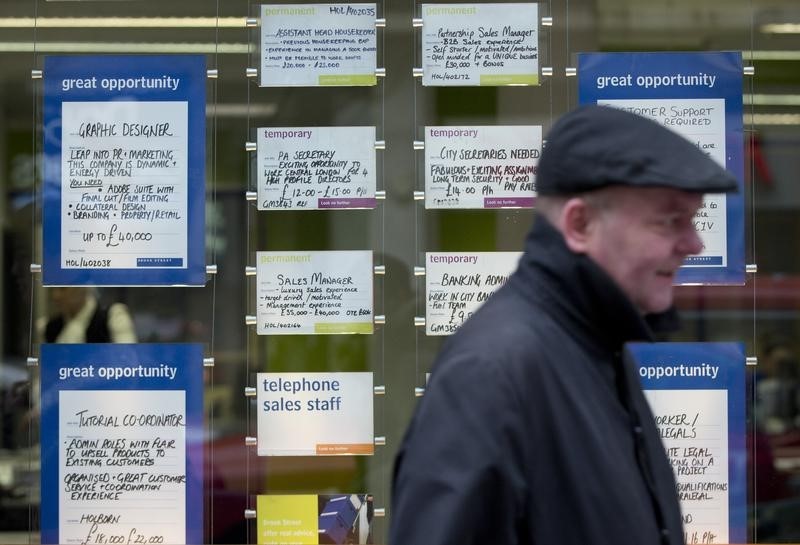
<point x="507" y="335"/>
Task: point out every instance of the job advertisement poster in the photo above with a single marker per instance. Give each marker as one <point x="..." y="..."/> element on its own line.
<point x="315" y="414"/>
<point x="124" y="175"/>
<point x="480" y="44"/>
<point x="122" y="443"/>
<point x="325" y="292"/>
<point x="699" y="96"/>
<point x="697" y="394"/>
<point x="308" y="168"/>
<point x="456" y="284"/>
<point x="318" y="44"/>
<point x="481" y="167"/>
<point x="310" y="518"/>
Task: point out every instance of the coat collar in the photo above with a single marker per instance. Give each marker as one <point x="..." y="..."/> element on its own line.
<point x="577" y="289"/>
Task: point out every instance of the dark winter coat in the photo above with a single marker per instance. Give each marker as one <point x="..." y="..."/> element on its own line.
<point x="534" y="428"/>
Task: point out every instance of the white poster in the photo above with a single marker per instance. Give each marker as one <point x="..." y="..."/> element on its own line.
<point x="122" y="466"/>
<point x="314" y="292"/>
<point x="124" y="185"/>
<point x="480" y="44"/>
<point x="456" y="284"/>
<point x="318" y="44"/>
<point x="701" y="121"/>
<point x="314" y="414"/>
<point x="481" y="167"/>
<point x="305" y="168"/>
<point x="695" y="437"/>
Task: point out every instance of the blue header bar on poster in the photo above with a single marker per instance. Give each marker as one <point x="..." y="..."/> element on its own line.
<point x="124" y="170"/>
<point x="699" y="95"/>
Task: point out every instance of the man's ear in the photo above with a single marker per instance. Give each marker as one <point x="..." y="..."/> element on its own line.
<point x="576" y="223"/>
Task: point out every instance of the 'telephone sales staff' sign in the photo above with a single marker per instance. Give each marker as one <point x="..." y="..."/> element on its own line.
<point x="302" y="414"/>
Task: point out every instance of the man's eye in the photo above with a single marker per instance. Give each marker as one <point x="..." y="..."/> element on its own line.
<point x="672" y="221"/>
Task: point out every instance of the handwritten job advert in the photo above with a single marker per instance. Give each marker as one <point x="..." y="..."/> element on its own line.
<point x="318" y="44"/>
<point x="480" y="44"/>
<point x="481" y="167"/>
<point x="124" y="179"/>
<point x="121" y="444"/>
<point x="456" y="284"/>
<point x="123" y="174"/>
<point x="324" y="292"/>
<point x="306" y="168"/>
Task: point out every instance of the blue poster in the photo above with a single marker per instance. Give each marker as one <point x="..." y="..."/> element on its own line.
<point x="698" y="95"/>
<point x="124" y="170"/>
<point x="122" y="443"/>
<point x="697" y="394"/>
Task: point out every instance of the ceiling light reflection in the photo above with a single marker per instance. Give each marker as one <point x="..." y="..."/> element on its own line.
<point x="123" y="22"/>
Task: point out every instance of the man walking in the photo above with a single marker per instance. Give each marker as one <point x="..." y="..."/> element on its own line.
<point x="534" y="428"/>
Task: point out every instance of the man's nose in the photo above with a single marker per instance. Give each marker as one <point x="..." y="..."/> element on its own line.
<point x="691" y="243"/>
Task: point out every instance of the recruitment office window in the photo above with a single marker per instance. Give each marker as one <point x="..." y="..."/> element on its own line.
<point x="397" y="240"/>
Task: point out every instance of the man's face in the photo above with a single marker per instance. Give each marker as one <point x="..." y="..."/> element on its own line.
<point x="641" y="237"/>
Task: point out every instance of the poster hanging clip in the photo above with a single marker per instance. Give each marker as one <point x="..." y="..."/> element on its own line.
<point x="380" y="144"/>
<point x="36" y="268"/>
<point x="751" y="268"/>
<point x="251" y="72"/>
<point x="208" y="362"/>
<point x="250" y="271"/>
<point x="380" y="441"/>
<point x="32" y="362"/>
<point x="249" y="391"/>
<point x="251" y="196"/>
<point x="379" y="390"/>
<point x="379" y="512"/>
<point x="211" y="269"/>
<point x="419" y="321"/>
<point x="752" y="360"/>
<point x="380" y="23"/>
<point x="547" y="21"/>
<point x="380" y="319"/>
<point x="380" y="72"/>
<point x="380" y="195"/>
<point x="419" y="271"/>
<point x="749" y="70"/>
<point x="251" y="22"/>
<point x="419" y="392"/>
<point x="417" y="22"/>
<point x="251" y="513"/>
<point x="212" y="73"/>
<point x="250" y="441"/>
<point x="36" y="74"/>
<point x="416" y="72"/>
<point x="570" y="71"/>
<point x="547" y="70"/>
<point x="419" y="144"/>
<point x="250" y="320"/>
<point x="379" y="270"/>
<point x="250" y="146"/>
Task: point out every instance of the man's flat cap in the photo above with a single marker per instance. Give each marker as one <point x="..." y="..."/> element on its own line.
<point x="597" y="146"/>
